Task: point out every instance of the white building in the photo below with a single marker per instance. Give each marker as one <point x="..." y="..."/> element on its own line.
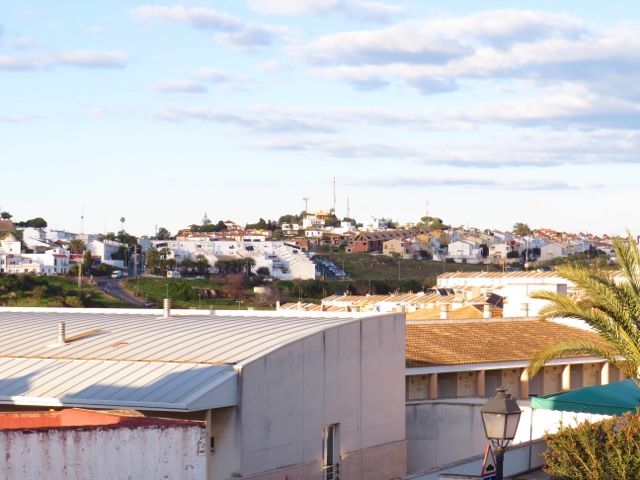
<point x="282" y="395"/>
<point x="284" y="261"/>
<point x="54" y="261"/>
<point x="104" y="249"/>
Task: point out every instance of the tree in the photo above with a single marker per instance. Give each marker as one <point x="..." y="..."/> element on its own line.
<point x="202" y="263"/>
<point x="431" y="222"/>
<point x="205" y="220"/>
<point x="610" y="308"/>
<point x="521" y="229"/>
<point x="163" y="234"/>
<point x="484" y="249"/>
<point x="153" y="259"/>
<point x="263" y="271"/>
<point x="37" y="222"/>
<point x="122" y="220"/>
<point x="249" y="263"/>
<point x="599" y="450"/>
<point x="77" y="246"/>
<point x="87" y="261"/>
<point x="188" y="264"/>
<point x="5" y="215"/>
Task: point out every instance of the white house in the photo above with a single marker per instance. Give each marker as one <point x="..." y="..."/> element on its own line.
<point x="556" y="250"/>
<point x="283" y="395"/>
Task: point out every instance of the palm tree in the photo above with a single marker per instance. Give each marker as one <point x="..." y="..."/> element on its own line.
<point x="76" y="246"/>
<point x="610" y="308"/>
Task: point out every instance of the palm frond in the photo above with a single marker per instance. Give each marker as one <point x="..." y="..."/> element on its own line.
<point x="581" y="347"/>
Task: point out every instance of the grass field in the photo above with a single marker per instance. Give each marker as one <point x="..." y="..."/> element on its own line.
<point x="58" y="292"/>
<point x="365" y="266"/>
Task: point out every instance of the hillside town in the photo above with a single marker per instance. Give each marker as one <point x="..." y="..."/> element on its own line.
<point x="286" y="249"/>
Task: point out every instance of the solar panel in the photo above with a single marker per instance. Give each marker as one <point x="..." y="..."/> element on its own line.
<point x="546" y="268"/>
<point x="443" y="292"/>
<point x="496" y="300"/>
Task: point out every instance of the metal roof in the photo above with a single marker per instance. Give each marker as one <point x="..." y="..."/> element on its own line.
<point x="208" y="339"/>
<point x="140" y="360"/>
<point x="119" y="385"/>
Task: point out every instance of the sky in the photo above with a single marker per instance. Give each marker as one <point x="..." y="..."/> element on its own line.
<point x="479" y="113"/>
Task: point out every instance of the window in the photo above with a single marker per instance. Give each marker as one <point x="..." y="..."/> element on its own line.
<point x="330" y="453"/>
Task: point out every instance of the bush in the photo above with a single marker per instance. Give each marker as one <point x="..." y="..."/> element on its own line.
<point x="596" y="451"/>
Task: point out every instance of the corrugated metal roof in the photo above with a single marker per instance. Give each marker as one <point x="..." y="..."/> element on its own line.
<point x="193" y="339"/>
<point x="139" y="361"/>
<point x="113" y="384"/>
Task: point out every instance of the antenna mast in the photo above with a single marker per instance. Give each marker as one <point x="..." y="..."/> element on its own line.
<point x="82" y="220"/>
<point x="348" y="209"/>
<point x="334" y="195"/>
<point x="306" y="204"/>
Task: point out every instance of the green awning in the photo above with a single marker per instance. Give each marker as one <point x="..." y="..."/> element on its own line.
<point x="612" y="399"/>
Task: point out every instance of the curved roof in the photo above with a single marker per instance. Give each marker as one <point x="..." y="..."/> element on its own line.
<point x="140" y="360"/>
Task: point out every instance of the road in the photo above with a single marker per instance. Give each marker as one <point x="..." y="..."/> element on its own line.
<point x="112" y="286"/>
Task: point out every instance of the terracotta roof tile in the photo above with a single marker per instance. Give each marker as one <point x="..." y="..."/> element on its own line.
<point x="457" y="343"/>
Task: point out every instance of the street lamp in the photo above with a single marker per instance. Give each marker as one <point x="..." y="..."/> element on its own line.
<point x="239" y="302"/>
<point x="500" y="417"/>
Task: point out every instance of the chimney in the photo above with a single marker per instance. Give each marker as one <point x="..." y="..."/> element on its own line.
<point x="444" y="311"/>
<point x="62" y="337"/>
<point x="167" y="307"/>
<point x="486" y="311"/>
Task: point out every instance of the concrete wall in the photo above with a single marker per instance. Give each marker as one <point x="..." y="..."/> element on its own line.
<point x="352" y="375"/>
<point x="440" y="432"/>
<point x="104" y="453"/>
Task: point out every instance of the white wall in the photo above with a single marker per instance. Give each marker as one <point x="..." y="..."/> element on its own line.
<point x="442" y="432"/>
<point x="143" y="453"/>
<point x="352" y="375"/>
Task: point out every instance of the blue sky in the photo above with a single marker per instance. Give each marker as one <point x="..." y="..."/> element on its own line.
<point x="160" y="112"/>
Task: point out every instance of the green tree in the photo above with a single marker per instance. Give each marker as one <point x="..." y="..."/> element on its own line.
<point x="188" y="264"/>
<point x="249" y="263"/>
<point x="153" y="259"/>
<point x="431" y="222"/>
<point x="5" y="215"/>
<point x="87" y="261"/>
<point x="77" y="246"/>
<point x="521" y="229"/>
<point x="263" y="271"/>
<point x="37" y="222"/>
<point x="596" y="451"/>
<point x="484" y="249"/>
<point x="163" y="234"/>
<point x="610" y="308"/>
<point x="202" y="263"/>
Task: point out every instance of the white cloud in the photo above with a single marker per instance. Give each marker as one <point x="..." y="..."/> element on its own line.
<point x="301" y="120"/>
<point x="234" y="31"/>
<point x="549" y="149"/>
<point x="23" y="43"/>
<point x="96" y="30"/>
<point x="13" y="118"/>
<point x="178" y="86"/>
<point x="472" y="182"/>
<point x="78" y="58"/>
<point x="213" y="75"/>
<point x="432" y="56"/>
<point x="353" y="9"/>
<point x="87" y="59"/>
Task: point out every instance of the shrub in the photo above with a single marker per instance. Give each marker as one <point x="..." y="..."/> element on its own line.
<point x="596" y="451"/>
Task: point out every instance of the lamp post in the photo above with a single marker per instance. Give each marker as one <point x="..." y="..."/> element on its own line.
<point x="239" y="302"/>
<point x="500" y="417"/>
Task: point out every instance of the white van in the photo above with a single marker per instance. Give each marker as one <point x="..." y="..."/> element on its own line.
<point x="172" y="274"/>
<point x="116" y="274"/>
